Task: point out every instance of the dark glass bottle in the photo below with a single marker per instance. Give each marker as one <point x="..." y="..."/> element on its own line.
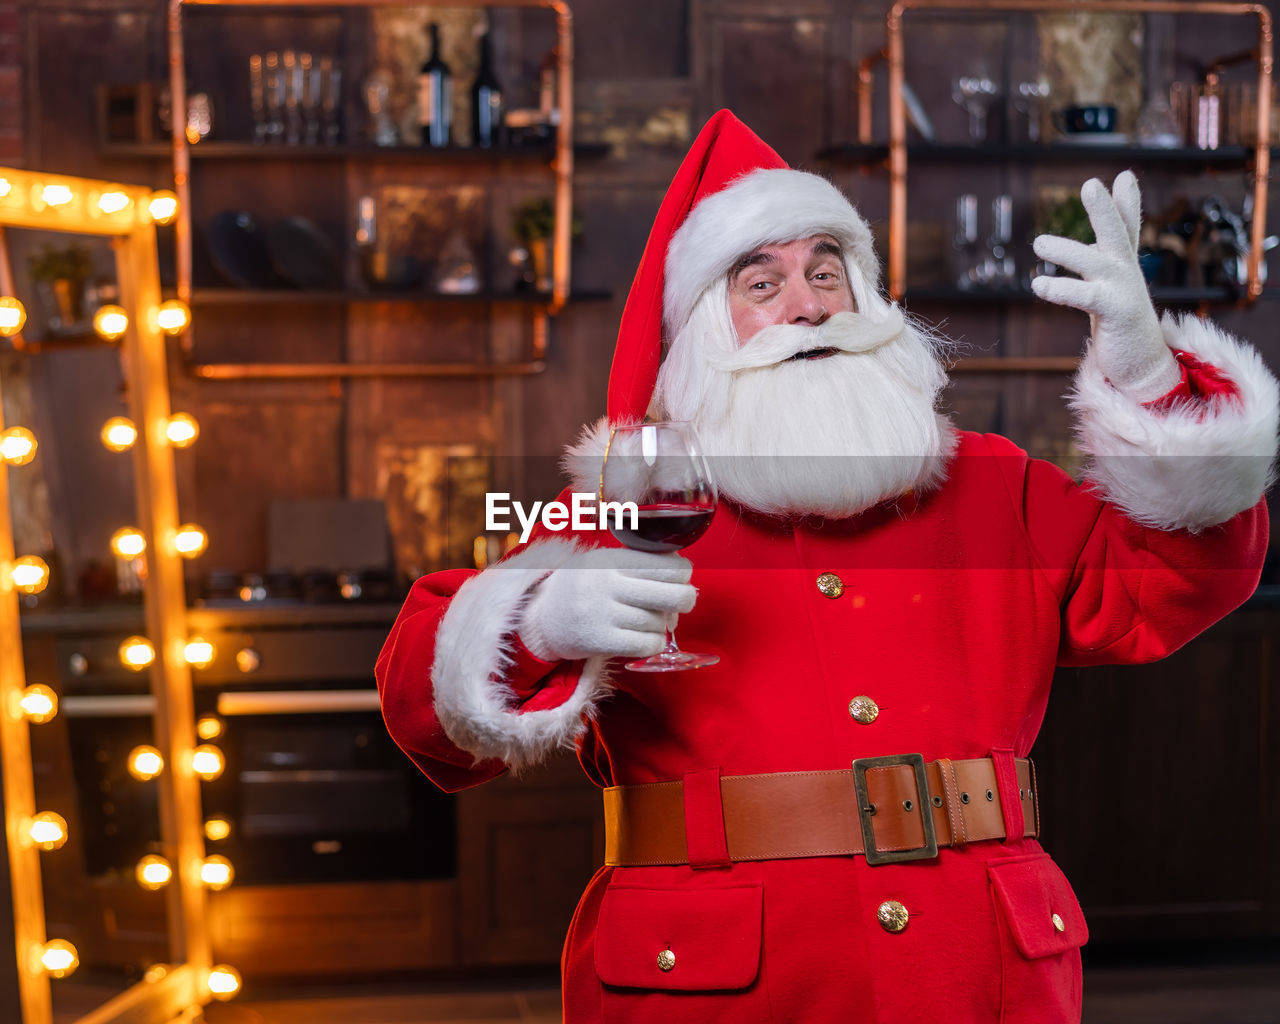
<point x="435" y="95"/>
<point x="486" y="100"/>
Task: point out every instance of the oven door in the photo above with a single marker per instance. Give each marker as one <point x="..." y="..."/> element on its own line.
<point x="315" y="790"/>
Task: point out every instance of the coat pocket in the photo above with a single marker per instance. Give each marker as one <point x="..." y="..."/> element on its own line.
<point x="680" y="940"/>
<point x="1041" y="931"/>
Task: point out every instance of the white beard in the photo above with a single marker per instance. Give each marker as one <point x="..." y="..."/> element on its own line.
<point x="831" y="436"/>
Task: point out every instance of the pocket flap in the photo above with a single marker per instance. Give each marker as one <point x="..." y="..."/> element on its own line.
<point x="712" y="935"/>
<point x="1039" y="906"/>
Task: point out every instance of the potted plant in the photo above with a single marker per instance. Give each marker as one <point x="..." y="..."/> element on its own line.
<point x="60" y="275"/>
<point x="532" y="224"/>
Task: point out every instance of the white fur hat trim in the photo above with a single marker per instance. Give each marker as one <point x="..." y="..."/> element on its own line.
<point x="764" y="207"/>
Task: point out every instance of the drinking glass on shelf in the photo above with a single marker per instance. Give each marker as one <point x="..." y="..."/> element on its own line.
<point x="257" y="99"/>
<point x="273" y="93"/>
<point x="998" y="267"/>
<point x="309" y="72"/>
<point x="199" y="117"/>
<point x="292" y="71"/>
<point x="975" y="93"/>
<point x="965" y="242"/>
<point x="1029" y="102"/>
<point x="330" y="100"/>
<point x="660" y="468"/>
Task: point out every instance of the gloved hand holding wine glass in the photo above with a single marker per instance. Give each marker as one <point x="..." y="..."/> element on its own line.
<point x="610" y="601"/>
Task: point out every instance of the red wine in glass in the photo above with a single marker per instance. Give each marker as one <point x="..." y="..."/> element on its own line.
<point x="660" y="470"/>
<point x="662" y="528"/>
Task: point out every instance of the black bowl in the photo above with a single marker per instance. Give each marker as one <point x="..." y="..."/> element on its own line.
<point x="237" y="248"/>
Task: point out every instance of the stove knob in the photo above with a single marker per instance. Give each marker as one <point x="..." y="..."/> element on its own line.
<point x="248" y="660"/>
<point x="78" y="664"/>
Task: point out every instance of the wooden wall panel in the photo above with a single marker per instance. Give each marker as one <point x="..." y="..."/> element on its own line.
<point x="1153" y="783"/>
<point x="252" y="452"/>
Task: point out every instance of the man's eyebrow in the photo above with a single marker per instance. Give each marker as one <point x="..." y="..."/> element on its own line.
<point x="751" y="259"/>
<point x="828" y="248"/>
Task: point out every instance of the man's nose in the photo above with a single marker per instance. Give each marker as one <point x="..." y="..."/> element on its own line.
<point x="806" y="305"/>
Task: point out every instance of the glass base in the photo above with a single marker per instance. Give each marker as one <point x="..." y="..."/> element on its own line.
<point x="672" y="661"/>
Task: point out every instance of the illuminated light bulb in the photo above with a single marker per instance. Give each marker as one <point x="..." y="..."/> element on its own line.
<point x="145" y="763"/>
<point x="207" y="761"/>
<point x="223" y="981"/>
<point x="199" y="653"/>
<point x="47" y="830"/>
<point x="119" y="433"/>
<point x="57" y="195"/>
<point x="153" y="872"/>
<point x="190" y="541"/>
<point x="216" y="829"/>
<point x="163" y="207"/>
<point x="17" y="446"/>
<point x="113" y="202"/>
<point x="110" y="322"/>
<point x="59" y="958"/>
<point x="137" y="653"/>
<point x="209" y="727"/>
<point x="39" y="704"/>
<point x="5" y="187"/>
<point x="217" y="873"/>
<point x="182" y="430"/>
<point x="173" y="316"/>
<point x="29" y="574"/>
<point x="13" y="316"/>
<point x="128" y="542"/>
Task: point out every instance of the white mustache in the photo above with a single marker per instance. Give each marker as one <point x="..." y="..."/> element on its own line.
<point x="845" y="332"/>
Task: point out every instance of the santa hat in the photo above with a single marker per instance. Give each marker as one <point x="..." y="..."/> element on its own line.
<point x="731" y="195"/>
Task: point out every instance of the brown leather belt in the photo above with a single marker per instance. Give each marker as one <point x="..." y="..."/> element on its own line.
<point x="877" y="804"/>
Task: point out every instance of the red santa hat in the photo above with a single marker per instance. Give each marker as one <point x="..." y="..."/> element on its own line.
<point x="731" y="195"/>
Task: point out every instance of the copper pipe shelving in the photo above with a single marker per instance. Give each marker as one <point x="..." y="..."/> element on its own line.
<point x="897" y="153"/>
<point x="561" y="164"/>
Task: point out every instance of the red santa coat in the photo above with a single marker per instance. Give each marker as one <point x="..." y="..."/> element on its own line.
<point x="956" y="607"/>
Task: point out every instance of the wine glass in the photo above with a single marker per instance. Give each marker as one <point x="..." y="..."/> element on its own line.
<point x="659" y="472"/>
<point x="975" y="92"/>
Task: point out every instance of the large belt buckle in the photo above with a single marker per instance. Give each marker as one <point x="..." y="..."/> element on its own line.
<point x="866" y="810"/>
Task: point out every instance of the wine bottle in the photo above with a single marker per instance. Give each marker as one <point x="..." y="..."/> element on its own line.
<point x="486" y="100"/>
<point x="435" y="95"/>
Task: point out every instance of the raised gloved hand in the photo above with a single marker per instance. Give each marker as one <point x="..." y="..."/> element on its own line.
<point x="608" y="601"/>
<point x="1127" y="341"/>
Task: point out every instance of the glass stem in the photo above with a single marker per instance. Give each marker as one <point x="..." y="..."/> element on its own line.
<point x="669" y="621"/>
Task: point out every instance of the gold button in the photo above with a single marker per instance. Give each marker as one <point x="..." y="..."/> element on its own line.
<point x="863" y="709"/>
<point x="830" y="585"/>
<point x="1058" y="924"/>
<point x="666" y="960"/>
<point x="893" y="916"/>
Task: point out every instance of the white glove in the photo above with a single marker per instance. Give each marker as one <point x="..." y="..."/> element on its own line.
<point x="608" y="601"/>
<point x="1127" y="340"/>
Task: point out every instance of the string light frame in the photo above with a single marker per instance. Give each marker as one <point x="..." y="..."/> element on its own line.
<point x="83" y="206"/>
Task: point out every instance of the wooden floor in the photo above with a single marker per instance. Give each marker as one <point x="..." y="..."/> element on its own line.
<point x="1183" y="994"/>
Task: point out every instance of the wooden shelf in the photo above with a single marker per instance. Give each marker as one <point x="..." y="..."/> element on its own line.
<point x="301" y="297"/>
<point x="219" y="150"/>
<point x="1024" y="296"/>
<point x="1052" y="152"/>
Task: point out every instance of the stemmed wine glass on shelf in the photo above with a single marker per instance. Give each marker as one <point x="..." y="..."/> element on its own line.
<point x="975" y="92"/>
<point x="660" y="468"/>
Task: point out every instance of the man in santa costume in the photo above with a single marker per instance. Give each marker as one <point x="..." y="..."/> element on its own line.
<point x="837" y="822"/>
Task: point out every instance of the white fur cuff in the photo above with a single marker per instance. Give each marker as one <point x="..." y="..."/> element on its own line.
<point x="1192" y="466"/>
<point x="475" y="708"/>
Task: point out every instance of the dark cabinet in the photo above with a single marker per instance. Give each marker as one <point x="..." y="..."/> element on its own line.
<point x="1158" y="787"/>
